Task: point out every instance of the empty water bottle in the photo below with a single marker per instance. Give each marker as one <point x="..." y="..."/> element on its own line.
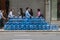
<point x="27" y="27"/>
<point x="31" y="27"/>
<point x="47" y="27"/>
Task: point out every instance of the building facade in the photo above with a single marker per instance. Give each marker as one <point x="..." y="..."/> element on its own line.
<point x="49" y="8"/>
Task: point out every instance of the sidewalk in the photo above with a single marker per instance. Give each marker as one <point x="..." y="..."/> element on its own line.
<point x="29" y="35"/>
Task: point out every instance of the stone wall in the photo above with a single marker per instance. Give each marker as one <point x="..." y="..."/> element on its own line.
<point x="34" y="4"/>
<point x="54" y="9"/>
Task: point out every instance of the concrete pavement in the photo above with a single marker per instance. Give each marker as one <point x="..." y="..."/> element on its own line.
<point x="29" y="35"/>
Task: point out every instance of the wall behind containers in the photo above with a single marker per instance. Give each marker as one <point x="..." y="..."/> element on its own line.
<point x="54" y="10"/>
<point x="34" y="4"/>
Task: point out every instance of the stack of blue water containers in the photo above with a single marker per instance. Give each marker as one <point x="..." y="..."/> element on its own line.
<point x="29" y="24"/>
